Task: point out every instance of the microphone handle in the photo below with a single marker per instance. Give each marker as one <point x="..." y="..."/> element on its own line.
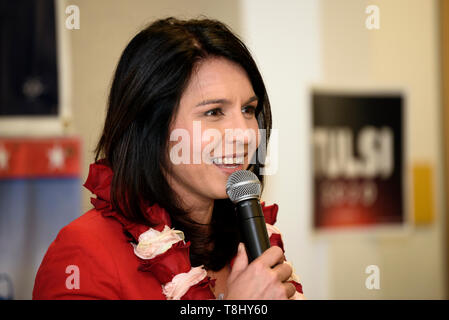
<point x="253" y="228"/>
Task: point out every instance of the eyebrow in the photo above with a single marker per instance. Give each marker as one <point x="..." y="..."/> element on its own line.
<point x="224" y="101"/>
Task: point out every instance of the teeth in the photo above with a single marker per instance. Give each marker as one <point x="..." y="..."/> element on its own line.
<point x="228" y="161"/>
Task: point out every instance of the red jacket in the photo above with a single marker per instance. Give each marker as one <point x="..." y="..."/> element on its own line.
<point x="93" y="258"/>
<point x="105" y="259"/>
<point x="107" y="265"/>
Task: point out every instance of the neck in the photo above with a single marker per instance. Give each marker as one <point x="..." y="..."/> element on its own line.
<point x="202" y="212"/>
<point x="199" y="208"/>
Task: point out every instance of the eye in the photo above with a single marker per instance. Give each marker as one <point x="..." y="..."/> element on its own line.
<point x="214" y="112"/>
<point x="249" y="110"/>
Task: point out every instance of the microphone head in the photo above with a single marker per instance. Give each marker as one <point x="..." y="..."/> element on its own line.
<point x="242" y="185"/>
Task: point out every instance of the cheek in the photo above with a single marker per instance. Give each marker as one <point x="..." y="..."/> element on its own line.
<point x="200" y="179"/>
<point x="198" y="176"/>
<point x="255" y="127"/>
<point x="182" y="142"/>
<point x="210" y="146"/>
<point x="258" y="138"/>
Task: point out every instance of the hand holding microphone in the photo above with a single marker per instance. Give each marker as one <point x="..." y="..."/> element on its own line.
<point x="261" y="274"/>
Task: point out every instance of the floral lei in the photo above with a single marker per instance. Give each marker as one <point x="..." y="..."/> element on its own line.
<point x="161" y="249"/>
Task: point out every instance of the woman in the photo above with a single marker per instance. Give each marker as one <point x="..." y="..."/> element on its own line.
<point x="163" y="228"/>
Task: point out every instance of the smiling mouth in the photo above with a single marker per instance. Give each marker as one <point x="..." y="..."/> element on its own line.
<point x="231" y="161"/>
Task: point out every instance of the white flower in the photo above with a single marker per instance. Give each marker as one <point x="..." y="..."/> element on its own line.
<point x="153" y="243"/>
<point x="182" y="282"/>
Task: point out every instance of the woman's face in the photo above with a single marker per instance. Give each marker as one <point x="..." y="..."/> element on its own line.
<point x="217" y="106"/>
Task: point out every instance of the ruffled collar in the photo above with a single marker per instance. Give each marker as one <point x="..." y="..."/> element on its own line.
<point x="99" y="183"/>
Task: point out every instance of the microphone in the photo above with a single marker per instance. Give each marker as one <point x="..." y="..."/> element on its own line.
<point x="243" y="188"/>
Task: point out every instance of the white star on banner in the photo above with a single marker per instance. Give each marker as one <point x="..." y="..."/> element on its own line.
<point x="4" y="157"/>
<point x="56" y="157"/>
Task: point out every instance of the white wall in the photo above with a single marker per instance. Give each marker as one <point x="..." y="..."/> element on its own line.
<point x="403" y="53"/>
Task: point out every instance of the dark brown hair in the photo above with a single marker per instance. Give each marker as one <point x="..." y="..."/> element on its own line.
<point x="149" y="80"/>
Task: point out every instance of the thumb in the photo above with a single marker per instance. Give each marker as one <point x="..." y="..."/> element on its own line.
<point x="241" y="260"/>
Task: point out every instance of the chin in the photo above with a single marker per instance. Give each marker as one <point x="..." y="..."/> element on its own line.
<point x="219" y="193"/>
<point x="225" y="196"/>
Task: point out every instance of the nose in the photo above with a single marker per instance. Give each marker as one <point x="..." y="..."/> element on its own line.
<point x="240" y="131"/>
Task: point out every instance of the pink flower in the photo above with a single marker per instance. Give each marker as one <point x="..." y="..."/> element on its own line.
<point x="153" y="243"/>
<point x="182" y="282"/>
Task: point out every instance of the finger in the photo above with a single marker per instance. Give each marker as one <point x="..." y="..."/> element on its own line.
<point x="283" y="271"/>
<point x="289" y="289"/>
<point x="241" y="260"/>
<point x="271" y="257"/>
